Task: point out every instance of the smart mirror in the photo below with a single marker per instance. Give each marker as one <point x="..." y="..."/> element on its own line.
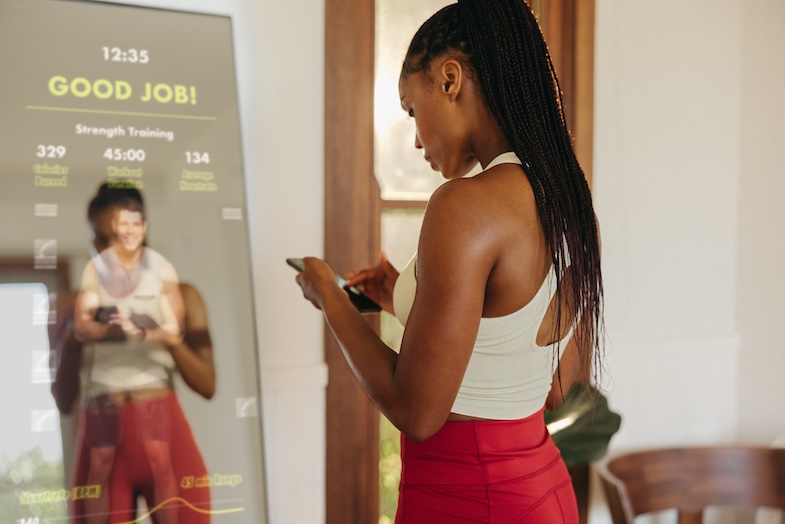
<point x="102" y="101"/>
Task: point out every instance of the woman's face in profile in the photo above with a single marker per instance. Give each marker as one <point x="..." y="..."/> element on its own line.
<point x="440" y="125"/>
<point x="102" y="233"/>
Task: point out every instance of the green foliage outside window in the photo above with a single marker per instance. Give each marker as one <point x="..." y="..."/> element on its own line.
<point x="27" y="480"/>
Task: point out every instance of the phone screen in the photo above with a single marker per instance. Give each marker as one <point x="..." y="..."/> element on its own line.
<point x="104" y="314"/>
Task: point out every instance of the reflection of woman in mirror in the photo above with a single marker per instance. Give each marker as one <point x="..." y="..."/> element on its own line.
<point x="128" y="317"/>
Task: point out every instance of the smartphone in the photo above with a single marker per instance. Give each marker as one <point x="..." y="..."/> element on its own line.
<point x="360" y="301"/>
<point x="104" y="314"/>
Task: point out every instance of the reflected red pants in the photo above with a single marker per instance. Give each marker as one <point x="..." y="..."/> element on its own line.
<point x="153" y="454"/>
<point x="486" y="471"/>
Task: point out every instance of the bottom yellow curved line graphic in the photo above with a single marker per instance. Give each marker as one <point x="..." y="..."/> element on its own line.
<point x="189" y="505"/>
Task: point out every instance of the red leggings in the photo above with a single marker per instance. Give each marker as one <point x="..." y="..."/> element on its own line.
<point x="486" y="471"/>
<point x="142" y="448"/>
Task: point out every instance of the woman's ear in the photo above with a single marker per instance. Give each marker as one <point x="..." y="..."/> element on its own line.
<point x="451" y="78"/>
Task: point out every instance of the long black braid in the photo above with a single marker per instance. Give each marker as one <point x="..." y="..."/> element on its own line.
<point x="500" y="41"/>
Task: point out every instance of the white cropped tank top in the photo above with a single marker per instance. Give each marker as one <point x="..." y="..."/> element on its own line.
<point x="509" y="375"/>
<point x="129" y="365"/>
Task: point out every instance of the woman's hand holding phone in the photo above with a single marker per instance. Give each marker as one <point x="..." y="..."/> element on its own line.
<point x="315" y="274"/>
<point x="314" y="278"/>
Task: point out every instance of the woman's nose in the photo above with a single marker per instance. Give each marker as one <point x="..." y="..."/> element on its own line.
<point x="417" y="143"/>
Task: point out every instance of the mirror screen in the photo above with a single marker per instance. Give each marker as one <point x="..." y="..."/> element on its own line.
<point x="129" y="364"/>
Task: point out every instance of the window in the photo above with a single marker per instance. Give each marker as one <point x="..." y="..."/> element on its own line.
<point x="31" y="447"/>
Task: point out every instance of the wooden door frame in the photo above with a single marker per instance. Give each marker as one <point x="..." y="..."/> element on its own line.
<point x="351" y="240"/>
<point x="568" y="26"/>
<point x="353" y="208"/>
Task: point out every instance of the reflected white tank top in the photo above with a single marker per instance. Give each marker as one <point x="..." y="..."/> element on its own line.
<point x="129" y="365"/>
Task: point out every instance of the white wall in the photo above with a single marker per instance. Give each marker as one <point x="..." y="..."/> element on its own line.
<point x="284" y="142"/>
<point x="283" y="118"/>
<point x="668" y="90"/>
<point x="689" y="184"/>
<point x="761" y="188"/>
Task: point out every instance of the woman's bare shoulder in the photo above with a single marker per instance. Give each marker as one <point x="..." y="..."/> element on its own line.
<point x="502" y="191"/>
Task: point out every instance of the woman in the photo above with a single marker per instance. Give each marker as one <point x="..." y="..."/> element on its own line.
<point x="129" y="316"/>
<point x="504" y="295"/>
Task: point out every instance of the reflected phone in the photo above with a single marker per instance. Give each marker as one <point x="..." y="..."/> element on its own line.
<point x="104" y="314"/>
<point x="360" y="301"/>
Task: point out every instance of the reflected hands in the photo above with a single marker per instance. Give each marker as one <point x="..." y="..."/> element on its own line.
<point x="131" y="331"/>
<point x="143" y="327"/>
<point x="151" y="331"/>
<point x="111" y="323"/>
<point x="377" y="282"/>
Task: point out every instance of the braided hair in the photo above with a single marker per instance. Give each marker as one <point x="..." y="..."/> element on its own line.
<point x="499" y="42"/>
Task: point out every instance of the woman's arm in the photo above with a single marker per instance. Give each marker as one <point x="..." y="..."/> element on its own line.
<point x="566" y="374"/>
<point x="193" y="354"/>
<point x="68" y="355"/>
<point x="570" y="370"/>
<point x="416" y="388"/>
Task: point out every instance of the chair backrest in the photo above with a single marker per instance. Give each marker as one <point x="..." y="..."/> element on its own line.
<point x="690" y="479"/>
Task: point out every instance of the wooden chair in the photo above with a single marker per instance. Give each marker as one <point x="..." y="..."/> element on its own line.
<point x="690" y="479"/>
